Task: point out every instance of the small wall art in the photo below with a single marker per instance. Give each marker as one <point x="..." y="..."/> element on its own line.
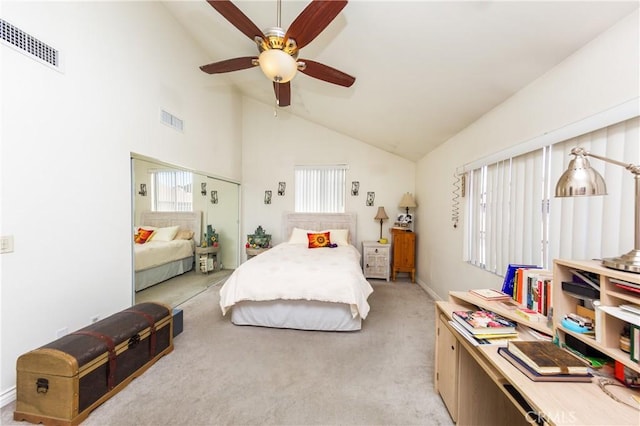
<point x="143" y="189"/>
<point x="267" y="197"/>
<point x="203" y="188"/>
<point x="371" y="197"/>
<point x="281" y="187"/>
<point x="214" y="197"/>
<point x="355" y="188"/>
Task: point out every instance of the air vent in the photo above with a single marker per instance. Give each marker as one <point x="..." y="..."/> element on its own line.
<point x="171" y="120"/>
<point x="28" y="44"/>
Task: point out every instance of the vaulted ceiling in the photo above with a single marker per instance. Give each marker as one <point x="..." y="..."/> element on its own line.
<point x="424" y="70"/>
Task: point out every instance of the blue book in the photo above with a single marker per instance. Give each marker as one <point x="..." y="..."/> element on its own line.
<point x="507" y="284"/>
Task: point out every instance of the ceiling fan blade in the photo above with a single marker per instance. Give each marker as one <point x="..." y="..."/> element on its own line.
<point x="235" y="64"/>
<point x="238" y="19"/>
<point x="313" y="20"/>
<point x="283" y="93"/>
<point x="326" y="73"/>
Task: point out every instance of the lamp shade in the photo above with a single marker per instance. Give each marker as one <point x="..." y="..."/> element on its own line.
<point x="381" y="215"/>
<point x="407" y="201"/>
<point x="277" y="65"/>
<point x="580" y="180"/>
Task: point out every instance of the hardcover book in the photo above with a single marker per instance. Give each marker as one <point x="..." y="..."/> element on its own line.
<point x="547" y="358"/>
<point x="537" y="377"/>
<point x="484" y="322"/>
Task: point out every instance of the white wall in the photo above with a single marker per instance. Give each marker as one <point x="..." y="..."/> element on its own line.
<point x="272" y="146"/>
<point x="67" y="140"/>
<point x="601" y="75"/>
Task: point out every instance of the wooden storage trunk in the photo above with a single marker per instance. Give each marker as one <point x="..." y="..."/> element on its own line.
<point x="63" y="381"/>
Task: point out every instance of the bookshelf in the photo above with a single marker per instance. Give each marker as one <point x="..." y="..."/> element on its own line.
<point x="610" y="323"/>
<point x="470" y="300"/>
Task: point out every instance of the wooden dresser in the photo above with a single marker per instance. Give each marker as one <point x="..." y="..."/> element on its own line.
<point x="404" y="253"/>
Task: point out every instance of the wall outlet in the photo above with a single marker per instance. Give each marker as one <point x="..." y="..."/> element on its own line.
<point x="62" y="332"/>
<point x="6" y="244"/>
<point x="95" y="318"/>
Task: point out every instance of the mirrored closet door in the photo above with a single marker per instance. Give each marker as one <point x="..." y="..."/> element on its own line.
<point x="193" y="222"/>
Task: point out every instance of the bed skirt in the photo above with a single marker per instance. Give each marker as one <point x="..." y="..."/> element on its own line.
<point x="296" y="314"/>
<point x="155" y="275"/>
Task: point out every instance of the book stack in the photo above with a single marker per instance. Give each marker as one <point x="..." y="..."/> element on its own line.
<point x="543" y="361"/>
<point x="489" y="294"/>
<point x="485" y="324"/>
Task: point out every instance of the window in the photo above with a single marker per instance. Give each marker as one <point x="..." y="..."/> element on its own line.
<point x="514" y="217"/>
<point x="508" y="212"/>
<point x="171" y="191"/>
<point x="320" y="189"/>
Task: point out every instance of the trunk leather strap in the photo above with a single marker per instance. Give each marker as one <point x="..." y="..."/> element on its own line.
<point x="152" y="330"/>
<point x="111" y="348"/>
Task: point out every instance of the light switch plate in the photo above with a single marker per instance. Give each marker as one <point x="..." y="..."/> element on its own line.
<point x="6" y="244"/>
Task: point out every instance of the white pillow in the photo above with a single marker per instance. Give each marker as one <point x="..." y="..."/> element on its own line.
<point x="165" y="234"/>
<point x="299" y="236"/>
<point x="338" y="236"/>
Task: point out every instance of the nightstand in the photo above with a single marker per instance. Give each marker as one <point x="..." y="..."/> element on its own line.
<point x="404" y="253"/>
<point x="376" y="259"/>
<point x="206" y="259"/>
<point x="251" y="252"/>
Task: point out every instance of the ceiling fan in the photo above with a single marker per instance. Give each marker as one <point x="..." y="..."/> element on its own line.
<point x="279" y="50"/>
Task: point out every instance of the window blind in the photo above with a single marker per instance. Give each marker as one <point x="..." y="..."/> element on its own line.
<point x="514" y="217"/>
<point x="171" y="191"/>
<point x="600" y="226"/>
<point x="320" y="189"/>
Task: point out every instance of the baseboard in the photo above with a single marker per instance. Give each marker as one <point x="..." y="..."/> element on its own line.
<point x="8" y="396"/>
<point x="428" y="290"/>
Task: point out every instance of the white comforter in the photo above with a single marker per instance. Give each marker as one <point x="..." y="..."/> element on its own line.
<point x="295" y="272"/>
<point x="155" y="253"/>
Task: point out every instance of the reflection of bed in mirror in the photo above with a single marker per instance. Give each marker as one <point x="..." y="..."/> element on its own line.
<point x="293" y="286"/>
<point x="157" y="261"/>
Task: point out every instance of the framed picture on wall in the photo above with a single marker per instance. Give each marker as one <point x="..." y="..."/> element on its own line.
<point x="371" y="196"/>
<point x="267" y="197"/>
<point x="355" y="188"/>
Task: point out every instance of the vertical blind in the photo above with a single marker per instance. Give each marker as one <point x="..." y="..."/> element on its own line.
<point x="320" y="189"/>
<point x="171" y="191"/>
<point x="513" y="216"/>
<point x="601" y="226"/>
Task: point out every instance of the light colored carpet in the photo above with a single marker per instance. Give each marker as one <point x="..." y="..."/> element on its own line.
<point x="222" y="374"/>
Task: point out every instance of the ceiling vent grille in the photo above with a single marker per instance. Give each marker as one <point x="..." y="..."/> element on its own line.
<point x="28" y="44"/>
<point x="171" y="120"/>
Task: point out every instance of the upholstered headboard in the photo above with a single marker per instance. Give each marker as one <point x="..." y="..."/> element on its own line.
<point x="319" y="222"/>
<point x="186" y="220"/>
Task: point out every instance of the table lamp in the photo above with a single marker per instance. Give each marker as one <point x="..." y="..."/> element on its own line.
<point x="381" y="216"/>
<point x="407" y="202"/>
<point x="581" y="180"/>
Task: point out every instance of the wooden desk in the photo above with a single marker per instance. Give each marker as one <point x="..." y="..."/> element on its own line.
<point x="478" y="386"/>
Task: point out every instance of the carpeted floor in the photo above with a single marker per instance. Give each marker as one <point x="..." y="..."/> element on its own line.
<point x="221" y="374"/>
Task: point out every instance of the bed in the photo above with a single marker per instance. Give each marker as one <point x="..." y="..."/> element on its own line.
<point x="165" y="256"/>
<point x="294" y="286"/>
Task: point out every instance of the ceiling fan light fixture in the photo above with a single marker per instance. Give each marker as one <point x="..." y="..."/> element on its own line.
<point x="277" y="65"/>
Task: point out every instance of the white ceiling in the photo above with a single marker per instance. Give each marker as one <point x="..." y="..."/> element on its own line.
<point x="424" y="69"/>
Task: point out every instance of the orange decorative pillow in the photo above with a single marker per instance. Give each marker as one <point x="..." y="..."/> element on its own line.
<point x="143" y="235"/>
<point x="317" y="240"/>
